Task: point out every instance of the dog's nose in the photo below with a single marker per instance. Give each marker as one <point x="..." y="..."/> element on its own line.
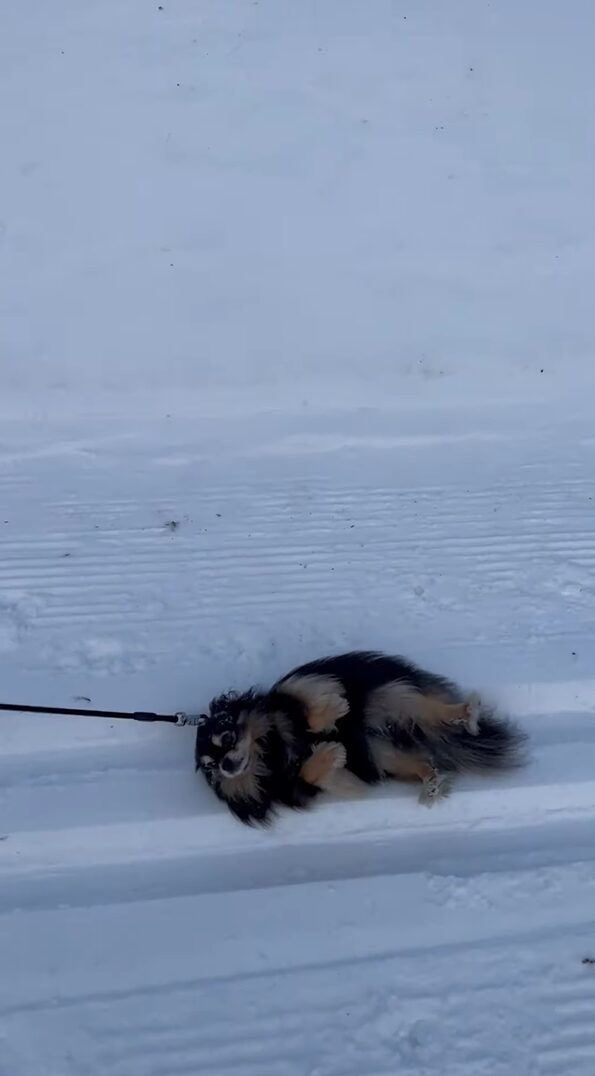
<point x="230" y="766"/>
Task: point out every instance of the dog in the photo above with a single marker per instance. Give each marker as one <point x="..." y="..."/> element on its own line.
<point x="376" y="716"/>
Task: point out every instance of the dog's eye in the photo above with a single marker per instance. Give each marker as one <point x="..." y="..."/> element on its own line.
<point x="227" y="740"/>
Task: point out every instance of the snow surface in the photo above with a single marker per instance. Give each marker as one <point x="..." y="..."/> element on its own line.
<point x="297" y="354"/>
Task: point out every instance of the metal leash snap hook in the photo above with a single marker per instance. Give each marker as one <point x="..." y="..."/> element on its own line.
<point x="188" y="719"/>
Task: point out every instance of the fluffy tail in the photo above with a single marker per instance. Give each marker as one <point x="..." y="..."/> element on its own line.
<point x="493" y="743"/>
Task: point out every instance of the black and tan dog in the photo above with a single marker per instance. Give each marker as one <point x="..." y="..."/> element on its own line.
<point x="379" y="717"/>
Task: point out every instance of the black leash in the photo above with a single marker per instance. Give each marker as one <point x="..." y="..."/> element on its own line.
<point x="180" y="718"/>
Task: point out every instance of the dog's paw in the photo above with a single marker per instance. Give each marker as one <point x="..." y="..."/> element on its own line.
<point x="326" y="759"/>
<point x="436" y="787"/>
<point x="337" y="756"/>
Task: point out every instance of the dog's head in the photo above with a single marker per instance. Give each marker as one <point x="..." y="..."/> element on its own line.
<point x="226" y="736"/>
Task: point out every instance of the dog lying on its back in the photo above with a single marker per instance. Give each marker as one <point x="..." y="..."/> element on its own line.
<point x="380" y="717"/>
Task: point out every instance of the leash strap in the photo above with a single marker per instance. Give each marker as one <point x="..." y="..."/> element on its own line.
<point x="179" y="718"/>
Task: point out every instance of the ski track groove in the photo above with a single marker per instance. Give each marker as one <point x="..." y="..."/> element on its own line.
<point x="211" y="1031"/>
<point x="267" y="538"/>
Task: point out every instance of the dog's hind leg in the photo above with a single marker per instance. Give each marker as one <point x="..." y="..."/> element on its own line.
<point x="433" y="711"/>
<point x="400" y="703"/>
<point x="410" y="766"/>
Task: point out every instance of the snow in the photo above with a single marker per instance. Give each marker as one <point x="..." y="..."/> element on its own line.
<point x="278" y="196"/>
<point x="312" y="282"/>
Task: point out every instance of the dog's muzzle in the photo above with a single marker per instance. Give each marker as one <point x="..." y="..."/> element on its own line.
<point x="233" y="764"/>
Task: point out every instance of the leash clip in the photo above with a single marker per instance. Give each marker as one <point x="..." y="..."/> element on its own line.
<point x="183" y="718"/>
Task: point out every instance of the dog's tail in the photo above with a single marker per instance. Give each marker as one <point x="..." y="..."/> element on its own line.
<point x="494" y="742"/>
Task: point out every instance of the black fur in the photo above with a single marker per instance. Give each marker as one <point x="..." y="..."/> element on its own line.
<point x="498" y="746"/>
<point x="360" y="672"/>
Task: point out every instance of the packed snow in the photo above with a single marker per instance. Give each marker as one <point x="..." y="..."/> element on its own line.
<point x="297" y="355"/>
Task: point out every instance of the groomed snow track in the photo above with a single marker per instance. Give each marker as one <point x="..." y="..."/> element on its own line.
<point x="141" y="929"/>
<point x="296" y="355"/>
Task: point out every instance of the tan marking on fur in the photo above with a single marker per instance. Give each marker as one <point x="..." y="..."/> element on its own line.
<point x="400" y="764"/>
<point x="246" y="786"/>
<point x="325" y="759"/>
<point x="450" y="713"/>
<point x="344" y="783"/>
<point x="323" y="697"/>
<point x="400" y="703"/>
